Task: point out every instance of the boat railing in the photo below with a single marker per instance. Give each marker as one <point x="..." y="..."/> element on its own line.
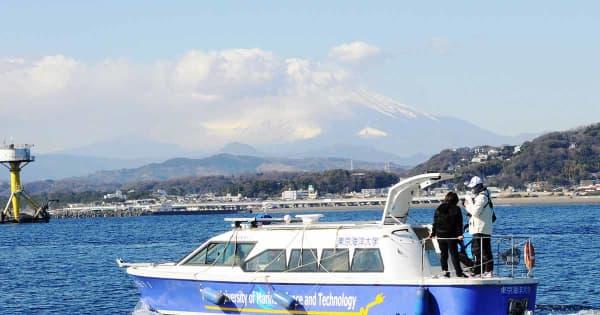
<point x="513" y="256"/>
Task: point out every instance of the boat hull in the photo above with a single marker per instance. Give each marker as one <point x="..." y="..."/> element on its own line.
<point x="174" y="296"/>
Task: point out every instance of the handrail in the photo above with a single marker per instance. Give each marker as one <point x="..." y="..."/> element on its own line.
<point x="503" y="257"/>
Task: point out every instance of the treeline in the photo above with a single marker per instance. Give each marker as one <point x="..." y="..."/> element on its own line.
<point x="261" y="185"/>
<point x="264" y="185"/>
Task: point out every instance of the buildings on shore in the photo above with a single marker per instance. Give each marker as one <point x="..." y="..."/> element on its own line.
<point x="585" y="187"/>
<point x="160" y="200"/>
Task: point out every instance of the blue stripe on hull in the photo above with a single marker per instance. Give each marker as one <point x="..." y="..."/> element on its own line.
<point x="248" y="298"/>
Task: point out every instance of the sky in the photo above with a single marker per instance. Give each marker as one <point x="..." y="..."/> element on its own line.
<point x="187" y="71"/>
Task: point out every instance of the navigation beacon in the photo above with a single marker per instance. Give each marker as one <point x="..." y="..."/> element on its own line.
<point x="15" y="157"/>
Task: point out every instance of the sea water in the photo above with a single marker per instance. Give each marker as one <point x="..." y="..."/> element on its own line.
<point x="68" y="266"/>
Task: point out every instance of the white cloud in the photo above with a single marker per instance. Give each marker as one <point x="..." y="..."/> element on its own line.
<point x="193" y="68"/>
<point x="248" y="65"/>
<point x="354" y="52"/>
<point x="202" y="98"/>
<point x="50" y="74"/>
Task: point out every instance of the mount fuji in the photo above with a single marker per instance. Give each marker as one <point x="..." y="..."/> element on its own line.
<point x="380" y="128"/>
<point x="374" y="129"/>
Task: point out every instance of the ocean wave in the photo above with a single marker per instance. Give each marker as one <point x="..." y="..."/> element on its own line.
<point x="141" y="308"/>
<point x="566" y="309"/>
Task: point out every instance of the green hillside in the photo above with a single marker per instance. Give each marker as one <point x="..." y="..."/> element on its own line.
<point x="227" y="164"/>
<point x="556" y="159"/>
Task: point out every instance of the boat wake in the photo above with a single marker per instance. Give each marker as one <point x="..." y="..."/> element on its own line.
<point x="564" y="309"/>
<point x="142" y="308"/>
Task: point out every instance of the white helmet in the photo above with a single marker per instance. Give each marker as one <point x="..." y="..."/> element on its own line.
<point x="476" y="180"/>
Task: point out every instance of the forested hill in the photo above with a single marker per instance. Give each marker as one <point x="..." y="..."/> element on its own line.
<point x="261" y="185"/>
<point x="228" y="164"/>
<point x="557" y="158"/>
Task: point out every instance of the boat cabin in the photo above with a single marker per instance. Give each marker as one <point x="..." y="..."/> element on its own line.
<point x="388" y="250"/>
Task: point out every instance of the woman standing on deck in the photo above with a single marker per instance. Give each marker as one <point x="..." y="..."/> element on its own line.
<point x="448" y="227"/>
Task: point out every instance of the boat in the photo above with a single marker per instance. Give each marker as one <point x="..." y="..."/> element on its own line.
<point x="304" y="265"/>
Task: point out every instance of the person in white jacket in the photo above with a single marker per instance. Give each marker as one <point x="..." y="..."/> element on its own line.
<point x="479" y="206"/>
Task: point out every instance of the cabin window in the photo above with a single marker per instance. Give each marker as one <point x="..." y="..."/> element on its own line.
<point x="335" y="260"/>
<point x="268" y="260"/>
<point x="221" y="253"/>
<point x="303" y="260"/>
<point x="367" y="260"/>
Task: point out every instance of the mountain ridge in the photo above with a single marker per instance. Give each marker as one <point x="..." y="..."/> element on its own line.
<point x="228" y="164"/>
<point x="376" y="129"/>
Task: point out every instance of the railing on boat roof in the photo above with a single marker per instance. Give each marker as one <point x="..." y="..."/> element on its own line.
<point x="509" y="257"/>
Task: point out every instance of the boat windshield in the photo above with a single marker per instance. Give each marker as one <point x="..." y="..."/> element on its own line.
<point x="221" y="254"/>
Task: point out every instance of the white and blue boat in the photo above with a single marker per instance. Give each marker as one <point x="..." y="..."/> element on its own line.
<point x="302" y="265"/>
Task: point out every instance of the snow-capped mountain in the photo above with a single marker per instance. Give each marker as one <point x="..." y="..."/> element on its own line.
<point x="385" y="125"/>
<point x="386" y="105"/>
<point x="375" y="129"/>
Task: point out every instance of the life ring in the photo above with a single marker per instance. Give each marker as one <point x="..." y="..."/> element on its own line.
<point x="529" y="253"/>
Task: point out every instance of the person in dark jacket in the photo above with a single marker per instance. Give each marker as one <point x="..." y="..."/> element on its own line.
<point x="448" y="228"/>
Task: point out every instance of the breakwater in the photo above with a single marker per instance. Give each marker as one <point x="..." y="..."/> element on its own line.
<point x="280" y="206"/>
<point x="108" y="212"/>
<point x="102" y="213"/>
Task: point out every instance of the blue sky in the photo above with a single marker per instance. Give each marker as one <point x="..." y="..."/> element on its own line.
<point x="508" y="66"/>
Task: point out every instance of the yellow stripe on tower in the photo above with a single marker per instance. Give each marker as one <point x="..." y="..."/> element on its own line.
<point x="15" y="188"/>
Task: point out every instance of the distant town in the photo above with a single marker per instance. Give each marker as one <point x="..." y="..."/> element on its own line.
<point x="160" y="202"/>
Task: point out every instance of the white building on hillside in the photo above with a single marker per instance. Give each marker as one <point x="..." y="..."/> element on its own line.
<point x="480" y="158"/>
<point x="117" y="195"/>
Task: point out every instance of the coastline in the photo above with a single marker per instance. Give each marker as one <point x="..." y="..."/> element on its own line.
<point x="543" y="200"/>
<point x="516" y="201"/>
